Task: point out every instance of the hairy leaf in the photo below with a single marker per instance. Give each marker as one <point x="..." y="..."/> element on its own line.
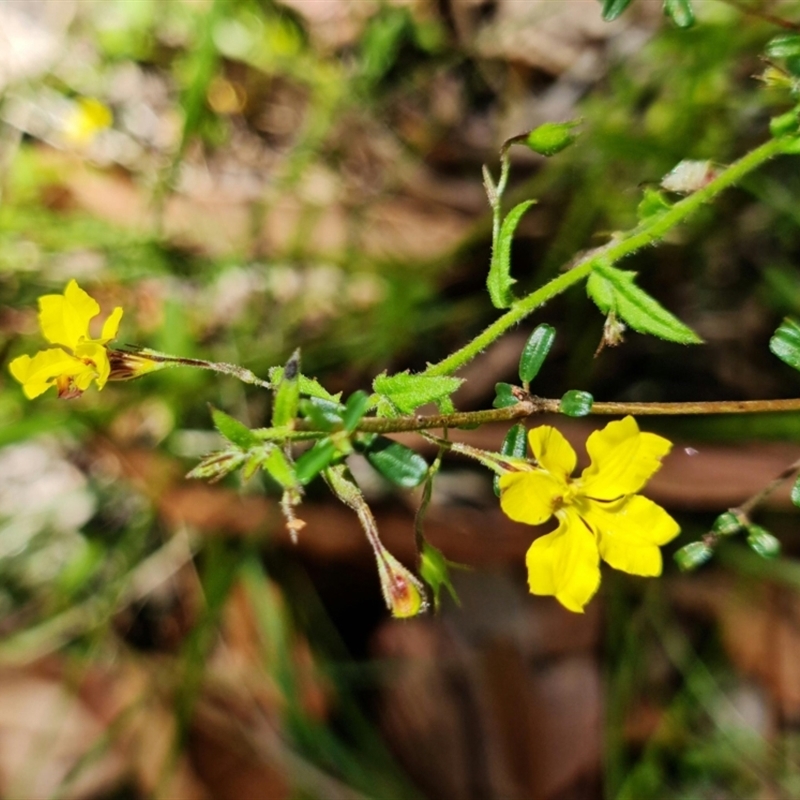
<point x="408" y="392"/>
<point x="615" y="290"/>
<point x="233" y="430"/>
<point x="499" y="282"/>
<point x="535" y="352"/>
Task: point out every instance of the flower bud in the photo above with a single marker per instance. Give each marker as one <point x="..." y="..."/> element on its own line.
<point x="762" y="541"/>
<point x="552" y="137"/>
<point x="403" y="593"/>
<point x="129" y="364"/>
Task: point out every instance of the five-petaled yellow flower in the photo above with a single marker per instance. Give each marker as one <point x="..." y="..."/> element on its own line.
<point x="78" y="359"/>
<point x="599" y="514"/>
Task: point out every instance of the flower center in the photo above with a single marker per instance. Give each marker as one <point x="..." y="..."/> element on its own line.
<point x="566" y="498"/>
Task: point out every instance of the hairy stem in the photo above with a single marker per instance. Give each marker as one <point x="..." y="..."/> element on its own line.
<point x="649" y="231"/>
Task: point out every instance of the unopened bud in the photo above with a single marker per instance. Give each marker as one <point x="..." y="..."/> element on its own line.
<point x="129" y="364"/>
<point x="216" y="466"/>
<point x="552" y="137"/>
<point x="403" y="592"/>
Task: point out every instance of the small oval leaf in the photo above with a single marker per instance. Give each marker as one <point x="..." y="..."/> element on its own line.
<point x="786" y="343"/>
<point x="613" y="8"/>
<point x="355" y="408"/>
<point x="504" y="395"/>
<point x="535" y="352"/>
<point x="397" y="463"/>
<point x="763" y="542"/>
<point x="576" y="403"/>
<point x="785" y="46"/>
<point x="515" y="445"/>
<point x="680" y="12"/>
<point x="692" y="556"/>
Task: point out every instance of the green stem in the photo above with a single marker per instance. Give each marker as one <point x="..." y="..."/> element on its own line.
<point x="642" y="235"/>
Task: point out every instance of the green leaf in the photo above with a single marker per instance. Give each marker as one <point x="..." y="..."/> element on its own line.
<point x="535" y="352"/>
<point x="433" y="567"/>
<point x="313" y="461"/>
<point x="692" y="556"/>
<point x="308" y="386"/>
<point x="785" y="46"/>
<point x="397" y="463"/>
<point x="356" y="407"/>
<point x="615" y="290"/>
<point x="515" y="445"/>
<point x="680" y="12"/>
<point x="576" y="403"/>
<point x="280" y="469"/>
<point x="763" y="542"/>
<point x="552" y="137"/>
<point x="786" y="343"/>
<point x="784" y="124"/>
<point x="504" y="396"/>
<point x="652" y="204"/>
<point x="408" y="392"/>
<point x="796" y="492"/>
<point x="233" y="430"/>
<point x="287" y="394"/>
<point x="499" y="282"/>
<point x="613" y="8"/>
<point x="326" y="416"/>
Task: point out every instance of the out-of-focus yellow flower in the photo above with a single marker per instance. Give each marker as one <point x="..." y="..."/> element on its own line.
<point x="87" y="118"/>
<point x="599" y="514"/>
<point x="78" y="359"/>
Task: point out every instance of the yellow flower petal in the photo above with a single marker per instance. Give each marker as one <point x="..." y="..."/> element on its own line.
<point x="100" y="367"/>
<point x="630" y="532"/>
<point x="39" y="373"/>
<point x="553" y="452"/>
<point x="623" y="460"/>
<point x="64" y="319"/>
<point x="530" y="496"/>
<point x="111" y="326"/>
<point x="565" y="563"/>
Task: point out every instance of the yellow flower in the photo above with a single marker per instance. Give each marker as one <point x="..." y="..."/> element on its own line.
<point x="599" y="514"/>
<point x="87" y="118"/>
<point x="78" y="359"/>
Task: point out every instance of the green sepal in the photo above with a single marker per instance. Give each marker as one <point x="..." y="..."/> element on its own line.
<point x="552" y="137"/>
<point x="535" y="352"/>
<point x="785" y="343"/>
<point x="615" y="290"/>
<point x="693" y="555"/>
<point x="576" y="403"/>
<point x="216" y="466"/>
<point x="499" y="281"/>
<point x="680" y="12"/>
<point x="504" y="396"/>
<point x="785" y="46"/>
<point x="796" y="492"/>
<point x="406" y="392"/>
<point x="252" y="463"/>
<point x="434" y="569"/>
<point x="313" y="461"/>
<point x="397" y="463"/>
<point x="652" y="204"/>
<point x="279" y="468"/>
<point x="763" y="542"/>
<point x="515" y="445"/>
<point x="233" y="430"/>
<point x="287" y="394"/>
<point x="355" y="408"/>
